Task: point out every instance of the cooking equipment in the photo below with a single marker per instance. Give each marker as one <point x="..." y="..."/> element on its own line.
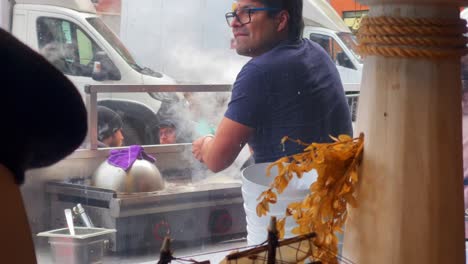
<point x="79" y="211"/>
<point x="143" y="176"/>
<point x="188" y="212"/>
<point x="69" y="218"/>
<point x="86" y="246"/>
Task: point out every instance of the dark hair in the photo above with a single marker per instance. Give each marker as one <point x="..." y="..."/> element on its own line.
<point x="166" y="123"/>
<point x="294" y="8"/>
<point x="108" y="122"/>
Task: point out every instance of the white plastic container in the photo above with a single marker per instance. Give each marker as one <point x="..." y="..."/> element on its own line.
<point x="254" y="182"/>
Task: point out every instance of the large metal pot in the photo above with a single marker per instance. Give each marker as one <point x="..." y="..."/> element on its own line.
<point x="143" y="176"/>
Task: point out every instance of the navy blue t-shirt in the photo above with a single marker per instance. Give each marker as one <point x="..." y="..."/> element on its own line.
<point x="292" y="90"/>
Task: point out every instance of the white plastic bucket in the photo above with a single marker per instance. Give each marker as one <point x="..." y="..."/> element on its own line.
<point x="254" y="182"/>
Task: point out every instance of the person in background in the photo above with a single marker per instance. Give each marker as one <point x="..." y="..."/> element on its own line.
<point x="202" y="110"/>
<point x="109" y="128"/>
<point x="167" y="132"/>
<point x="290" y="87"/>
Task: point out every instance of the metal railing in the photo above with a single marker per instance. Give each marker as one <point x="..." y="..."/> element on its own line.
<point x="93" y="90"/>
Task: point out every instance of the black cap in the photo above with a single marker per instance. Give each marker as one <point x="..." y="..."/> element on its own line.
<point x="109" y="122"/>
<point x="43" y="114"/>
<point x="166" y="123"/>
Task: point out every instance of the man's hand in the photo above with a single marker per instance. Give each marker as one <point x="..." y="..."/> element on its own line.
<point x="197" y="147"/>
<point x="219" y="152"/>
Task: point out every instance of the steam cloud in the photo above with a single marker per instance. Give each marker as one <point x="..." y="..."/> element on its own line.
<point x="189" y="41"/>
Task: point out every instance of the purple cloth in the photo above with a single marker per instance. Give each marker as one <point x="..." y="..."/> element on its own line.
<point x="124" y="158"/>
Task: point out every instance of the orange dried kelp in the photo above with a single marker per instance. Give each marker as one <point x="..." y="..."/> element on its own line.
<point x="323" y="211"/>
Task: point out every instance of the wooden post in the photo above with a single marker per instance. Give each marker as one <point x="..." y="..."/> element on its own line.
<point x="410" y="194"/>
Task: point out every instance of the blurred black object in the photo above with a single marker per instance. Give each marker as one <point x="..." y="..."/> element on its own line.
<point x="43" y="115"/>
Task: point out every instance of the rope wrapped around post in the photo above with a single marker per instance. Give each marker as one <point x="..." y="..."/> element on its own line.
<point x="412" y="37"/>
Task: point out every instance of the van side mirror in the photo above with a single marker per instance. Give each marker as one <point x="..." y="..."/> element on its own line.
<point x="104" y="68"/>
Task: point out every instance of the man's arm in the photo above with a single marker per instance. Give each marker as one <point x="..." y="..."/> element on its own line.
<point x="219" y="152"/>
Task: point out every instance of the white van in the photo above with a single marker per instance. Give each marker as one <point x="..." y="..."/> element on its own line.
<point x="324" y="26"/>
<point x="341" y="46"/>
<point x="73" y="38"/>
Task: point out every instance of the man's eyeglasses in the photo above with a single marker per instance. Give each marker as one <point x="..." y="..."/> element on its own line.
<point x="243" y="15"/>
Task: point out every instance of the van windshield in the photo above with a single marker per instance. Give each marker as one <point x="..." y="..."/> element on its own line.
<point x="350" y="41"/>
<point x="113" y="40"/>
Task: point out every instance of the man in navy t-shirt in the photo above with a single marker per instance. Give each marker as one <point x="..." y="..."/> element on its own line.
<point x="290" y="87"/>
